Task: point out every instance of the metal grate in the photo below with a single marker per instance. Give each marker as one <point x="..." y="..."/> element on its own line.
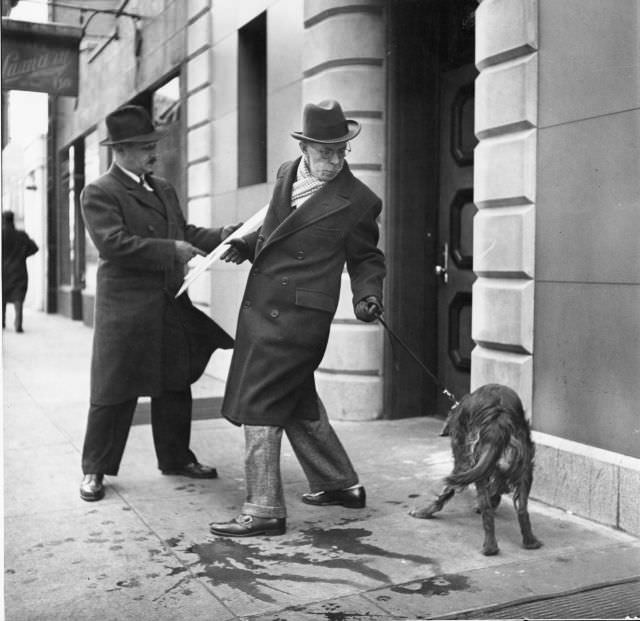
<point x="613" y="601"/>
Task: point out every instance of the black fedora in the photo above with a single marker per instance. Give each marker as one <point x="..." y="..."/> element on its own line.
<point x="130" y="124"/>
<point x="325" y="123"/>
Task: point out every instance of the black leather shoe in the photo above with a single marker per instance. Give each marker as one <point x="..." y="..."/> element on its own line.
<point x="195" y="470"/>
<point x="92" y="487"/>
<point x="355" y="498"/>
<point x="249" y="526"/>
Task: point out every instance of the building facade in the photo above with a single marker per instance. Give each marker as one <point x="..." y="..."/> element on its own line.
<point x="502" y="137"/>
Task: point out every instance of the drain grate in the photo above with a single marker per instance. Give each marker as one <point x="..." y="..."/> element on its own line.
<point x="611" y="601"/>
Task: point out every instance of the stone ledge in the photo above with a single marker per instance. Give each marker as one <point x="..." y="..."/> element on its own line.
<point x="594" y="483"/>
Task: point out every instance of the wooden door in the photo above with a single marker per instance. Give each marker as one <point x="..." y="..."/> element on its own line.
<point x="455" y="230"/>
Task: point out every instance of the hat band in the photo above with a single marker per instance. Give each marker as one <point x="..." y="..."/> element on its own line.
<point x="329" y="132"/>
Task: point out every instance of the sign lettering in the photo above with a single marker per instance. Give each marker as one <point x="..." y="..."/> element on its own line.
<point x="43" y="58"/>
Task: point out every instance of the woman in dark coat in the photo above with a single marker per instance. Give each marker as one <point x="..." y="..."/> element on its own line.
<point x="16" y="247"/>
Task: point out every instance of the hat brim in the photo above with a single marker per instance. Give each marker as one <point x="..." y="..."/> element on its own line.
<point x="354" y="130"/>
<point x="154" y="136"/>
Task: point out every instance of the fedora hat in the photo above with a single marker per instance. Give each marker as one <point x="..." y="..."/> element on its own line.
<point x="325" y="123"/>
<point x="130" y="124"/>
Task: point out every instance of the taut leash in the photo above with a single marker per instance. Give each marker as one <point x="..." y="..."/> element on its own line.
<point x="445" y="391"/>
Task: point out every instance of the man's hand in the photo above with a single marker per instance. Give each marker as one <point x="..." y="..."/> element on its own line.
<point x="368" y="309"/>
<point x="238" y="251"/>
<point x="185" y="251"/>
<point x="228" y="229"/>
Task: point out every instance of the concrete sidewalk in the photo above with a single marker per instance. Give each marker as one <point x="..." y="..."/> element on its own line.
<point x="145" y="552"/>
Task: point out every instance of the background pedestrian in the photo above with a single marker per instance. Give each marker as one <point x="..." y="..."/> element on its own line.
<point x="16" y="247"/>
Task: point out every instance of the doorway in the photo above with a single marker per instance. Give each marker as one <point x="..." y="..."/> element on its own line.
<point x="429" y="204"/>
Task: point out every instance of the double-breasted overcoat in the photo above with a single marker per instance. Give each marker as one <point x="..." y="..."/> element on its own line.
<point x="292" y="294"/>
<point x="144" y="340"/>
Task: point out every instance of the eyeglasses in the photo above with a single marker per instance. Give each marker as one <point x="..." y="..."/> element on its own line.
<point x="326" y="153"/>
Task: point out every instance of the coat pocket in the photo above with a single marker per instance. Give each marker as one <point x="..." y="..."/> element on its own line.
<point x="317" y="300"/>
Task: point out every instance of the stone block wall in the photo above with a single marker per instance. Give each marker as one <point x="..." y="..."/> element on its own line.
<point x="505" y="194"/>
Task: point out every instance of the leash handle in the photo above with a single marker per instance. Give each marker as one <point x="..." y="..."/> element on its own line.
<point x="447" y="393"/>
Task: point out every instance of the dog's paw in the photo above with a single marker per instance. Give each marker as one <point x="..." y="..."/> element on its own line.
<point x="422" y="514"/>
<point x="490" y="550"/>
<point x="533" y="544"/>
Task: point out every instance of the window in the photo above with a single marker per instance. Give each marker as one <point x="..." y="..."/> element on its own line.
<point x="252" y="102"/>
<point x="164" y="105"/>
<point x="91" y="173"/>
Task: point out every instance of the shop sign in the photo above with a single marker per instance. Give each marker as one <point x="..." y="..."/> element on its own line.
<point x="40" y="57"/>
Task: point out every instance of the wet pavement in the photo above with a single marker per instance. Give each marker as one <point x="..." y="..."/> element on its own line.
<point x="144" y="552"/>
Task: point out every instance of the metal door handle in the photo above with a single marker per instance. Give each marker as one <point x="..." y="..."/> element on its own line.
<point x="441" y="270"/>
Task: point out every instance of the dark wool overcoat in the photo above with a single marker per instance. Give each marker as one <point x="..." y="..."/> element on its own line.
<point x="292" y="294"/>
<point x="144" y="340"/>
<point x="16" y="247"/>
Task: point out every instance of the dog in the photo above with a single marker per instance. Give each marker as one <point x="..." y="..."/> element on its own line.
<point x="492" y="448"/>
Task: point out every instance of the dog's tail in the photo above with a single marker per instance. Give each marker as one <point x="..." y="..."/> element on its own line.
<point x="491" y="444"/>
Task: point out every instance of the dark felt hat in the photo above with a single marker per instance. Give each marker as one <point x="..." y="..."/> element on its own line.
<point x="325" y="123"/>
<point x="130" y="124"/>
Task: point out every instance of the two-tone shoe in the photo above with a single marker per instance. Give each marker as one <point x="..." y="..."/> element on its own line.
<point x="249" y="526"/>
<point x="194" y="470"/>
<point x="92" y="487"/>
<point x="352" y="498"/>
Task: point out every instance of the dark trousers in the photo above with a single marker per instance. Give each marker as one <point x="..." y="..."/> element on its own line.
<point x="108" y="429"/>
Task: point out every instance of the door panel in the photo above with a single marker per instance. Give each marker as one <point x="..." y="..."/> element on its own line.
<point x="455" y="214"/>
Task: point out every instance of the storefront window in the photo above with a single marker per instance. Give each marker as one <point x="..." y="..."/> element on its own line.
<point x="165" y="107"/>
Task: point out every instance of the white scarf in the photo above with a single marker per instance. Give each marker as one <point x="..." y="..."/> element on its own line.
<point x="304" y="186"/>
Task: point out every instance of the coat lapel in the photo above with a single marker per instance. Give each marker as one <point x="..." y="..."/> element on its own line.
<point x="331" y="198"/>
<point x="135" y="190"/>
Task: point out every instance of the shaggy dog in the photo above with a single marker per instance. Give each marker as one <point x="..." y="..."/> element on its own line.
<point x="492" y="447"/>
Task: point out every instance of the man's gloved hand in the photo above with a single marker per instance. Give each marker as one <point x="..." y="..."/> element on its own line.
<point x="185" y="251"/>
<point x="228" y="229"/>
<point x="368" y="309"/>
<point x="238" y="251"/>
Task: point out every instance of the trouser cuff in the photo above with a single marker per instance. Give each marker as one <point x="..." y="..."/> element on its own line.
<point x="331" y="486"/>
<point x="263" y="511"/>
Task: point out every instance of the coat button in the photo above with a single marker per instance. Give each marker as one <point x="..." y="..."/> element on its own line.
<point x="300" y="255"/>
<point x="247" y="303"/>
<point x="284" y="281"/>
<point x="274" y="313"/>
<point x="260" y="238"/>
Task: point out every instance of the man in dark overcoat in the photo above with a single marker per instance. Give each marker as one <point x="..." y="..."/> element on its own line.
<point x="319" y="218"/>
<point x="145" y="342"/>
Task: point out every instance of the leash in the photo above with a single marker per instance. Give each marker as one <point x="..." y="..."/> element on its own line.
<point x="445" y="391"/>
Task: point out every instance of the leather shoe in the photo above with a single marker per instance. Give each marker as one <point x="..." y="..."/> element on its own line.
<point x="194" y="470"/>
<point x="92" y="487"/>
<point x="355" y="498"/>
<point x="249" y="526"/>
